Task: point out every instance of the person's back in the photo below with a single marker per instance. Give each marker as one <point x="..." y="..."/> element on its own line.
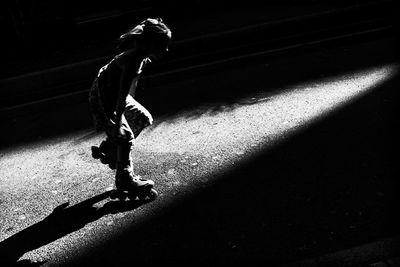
<point x="109" y="77"/>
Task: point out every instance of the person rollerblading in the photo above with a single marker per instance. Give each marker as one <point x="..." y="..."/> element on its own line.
<point x="117" y="113"/>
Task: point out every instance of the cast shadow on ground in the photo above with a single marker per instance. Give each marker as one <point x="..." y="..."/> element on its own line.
<point x="61" y="222"/>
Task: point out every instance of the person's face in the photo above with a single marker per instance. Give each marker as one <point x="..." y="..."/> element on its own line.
<point x="157" y="48"/>
<point x="158" y="53"/>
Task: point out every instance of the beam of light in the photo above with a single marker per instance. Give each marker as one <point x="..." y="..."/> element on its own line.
<point x="235" y="132"/>
<point x="194" y="147"/>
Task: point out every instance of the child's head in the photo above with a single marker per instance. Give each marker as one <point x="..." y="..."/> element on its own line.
<point x="151" y="36"/>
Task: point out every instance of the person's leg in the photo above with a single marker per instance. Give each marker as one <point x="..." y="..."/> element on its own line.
<point x="125" y="178"/>
<point x="107" y="150"/>
<point x="135" y="119"/>
<point x="137" y="116"/>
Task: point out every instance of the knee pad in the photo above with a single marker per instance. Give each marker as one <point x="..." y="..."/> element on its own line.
<point x="138" y="120"/>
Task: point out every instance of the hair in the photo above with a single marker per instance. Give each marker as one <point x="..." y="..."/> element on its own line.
<point x="150" y="28"/>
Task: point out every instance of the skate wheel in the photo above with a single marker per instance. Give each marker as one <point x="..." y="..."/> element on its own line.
<point x="115" y="194"/>
<point x="96" y="153"/>
<point x="153" y="194"/>
<point x="112" y="166"/>
<point x="133" y="196"/>
<point x="149" y="195"/>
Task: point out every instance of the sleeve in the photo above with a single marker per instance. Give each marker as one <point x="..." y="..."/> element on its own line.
<point x="143" y="65"/>
<point x="121" y="60"/>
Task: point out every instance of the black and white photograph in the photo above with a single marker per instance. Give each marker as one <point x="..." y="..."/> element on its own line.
<point x="199" y="133"/>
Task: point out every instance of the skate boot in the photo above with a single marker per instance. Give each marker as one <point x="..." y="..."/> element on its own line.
<point x="126" y="182"/>
<point x="106" y="152"/>
<point x="133" y="186"/>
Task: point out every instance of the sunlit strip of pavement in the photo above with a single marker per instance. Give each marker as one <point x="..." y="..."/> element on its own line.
<point x="182" y="154"/>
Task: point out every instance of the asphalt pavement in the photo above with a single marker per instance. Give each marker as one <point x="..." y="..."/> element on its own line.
<point x="276" y="162"/>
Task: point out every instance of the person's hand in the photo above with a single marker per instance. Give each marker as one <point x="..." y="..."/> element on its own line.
<point x="120" y="132"/>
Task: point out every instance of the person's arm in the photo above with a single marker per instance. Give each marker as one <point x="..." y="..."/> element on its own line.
<point x="125" y="84"/>
<point x="132" y="89"/>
